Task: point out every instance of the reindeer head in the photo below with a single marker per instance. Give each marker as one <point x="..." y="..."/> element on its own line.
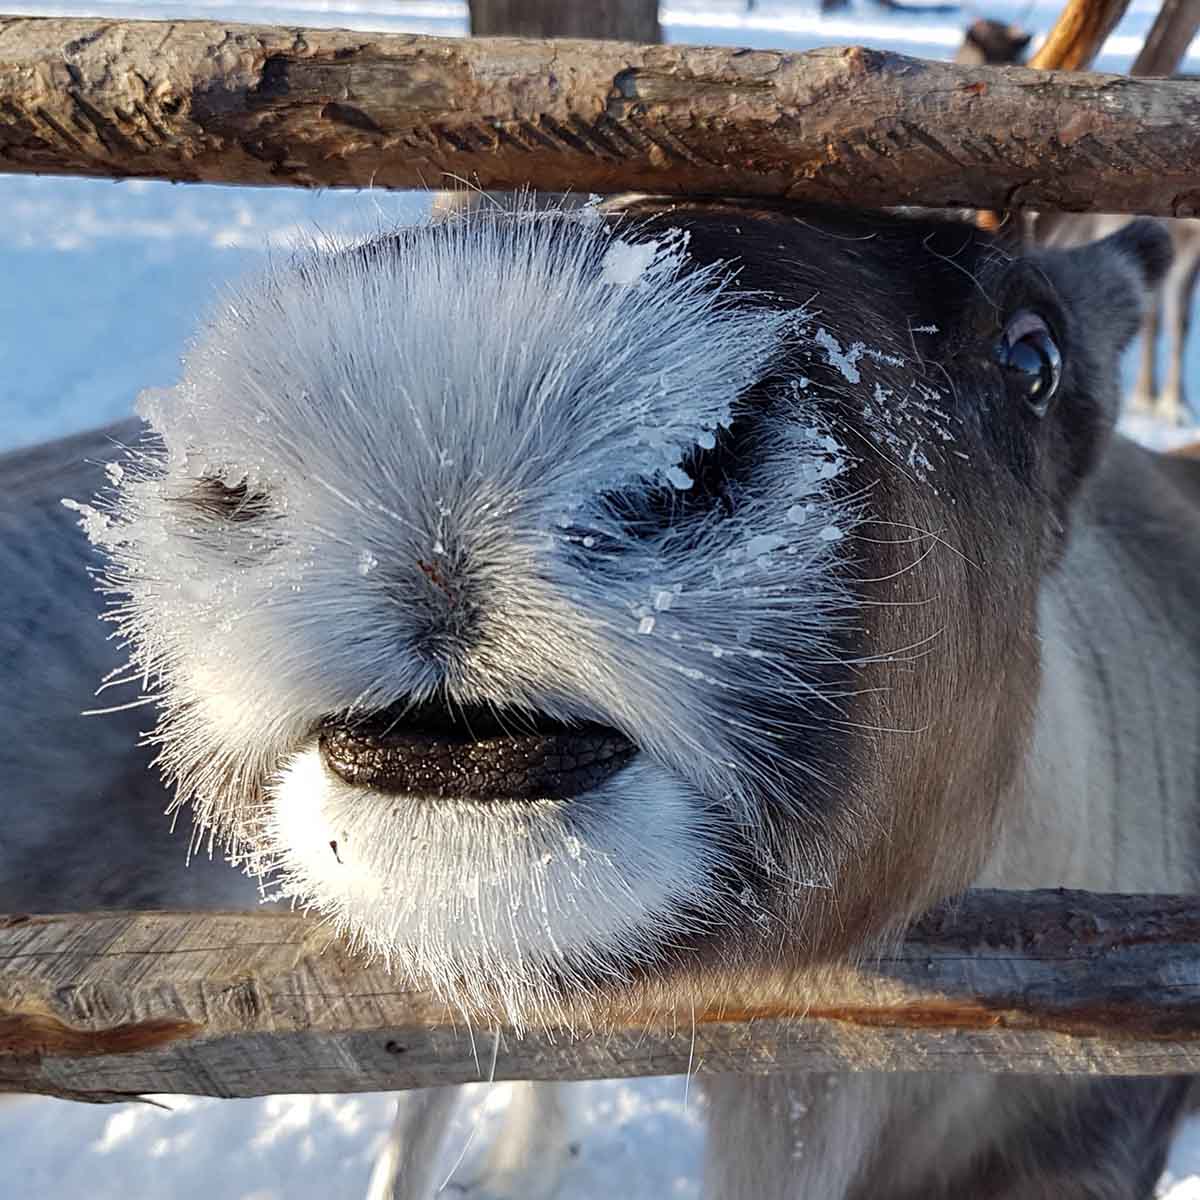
<point x="552" y="599"/>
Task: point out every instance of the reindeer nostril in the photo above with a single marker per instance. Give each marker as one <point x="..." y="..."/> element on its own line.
<point x="705" y="482"/>
<point x="432" y="753"/>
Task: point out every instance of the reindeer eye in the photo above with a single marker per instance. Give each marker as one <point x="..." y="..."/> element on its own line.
<point x="1030" y="359"/>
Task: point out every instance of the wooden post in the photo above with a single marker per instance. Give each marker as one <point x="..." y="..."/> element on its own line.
<point x="259" y="105"/>
<point x="108" y="1006"/>
<point x="628" y="20"/>
<point x="1168" y="39"/>
<point x="1081" y="29"/>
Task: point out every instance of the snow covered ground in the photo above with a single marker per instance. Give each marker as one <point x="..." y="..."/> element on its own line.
<point x="102" y="284"/>
<point x="631" y="1139"/>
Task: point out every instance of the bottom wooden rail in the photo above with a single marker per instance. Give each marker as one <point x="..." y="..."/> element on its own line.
<point x="107" y="1006"/>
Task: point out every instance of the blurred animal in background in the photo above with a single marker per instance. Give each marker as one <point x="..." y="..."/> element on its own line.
<point x="1161" y="394"/>
<point x="1157" y="393"/>
<point x="989" y="42"/>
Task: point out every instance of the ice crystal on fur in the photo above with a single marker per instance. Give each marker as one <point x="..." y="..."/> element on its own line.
<point x="625" y="263"/>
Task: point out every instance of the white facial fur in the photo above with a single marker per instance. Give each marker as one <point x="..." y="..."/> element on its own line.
<point x="436" y="424"/>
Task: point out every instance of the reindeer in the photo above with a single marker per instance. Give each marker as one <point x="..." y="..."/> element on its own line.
<point x="640" y="605"/>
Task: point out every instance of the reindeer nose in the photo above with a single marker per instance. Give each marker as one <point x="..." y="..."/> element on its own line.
<point x="472" y="754"/>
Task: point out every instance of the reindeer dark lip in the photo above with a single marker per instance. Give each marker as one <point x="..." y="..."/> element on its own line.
<point x="480" y="756"/>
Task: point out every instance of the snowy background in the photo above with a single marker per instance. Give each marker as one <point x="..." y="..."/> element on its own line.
<point x="102" y="284"/>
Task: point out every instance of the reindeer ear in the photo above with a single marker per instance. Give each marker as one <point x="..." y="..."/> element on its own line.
<point x="1147" y="242"/>
<point x="1099" y="293"/>
<point x="1109" y="283"/>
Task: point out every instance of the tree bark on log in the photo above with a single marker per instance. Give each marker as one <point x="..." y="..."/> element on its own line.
<point x="260" y="105"/>
<point x="1161" y="53"/>
<point x="105" y="1007"/>
<point x="620" y="20"/>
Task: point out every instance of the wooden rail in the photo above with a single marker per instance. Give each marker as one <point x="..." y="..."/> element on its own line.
<point x="106" y="1006"/>
<point x="202" y="101"/>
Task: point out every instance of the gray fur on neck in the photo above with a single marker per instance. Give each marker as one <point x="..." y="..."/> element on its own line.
<point x="84" y="823"/>
<point x="1110" y="793"/>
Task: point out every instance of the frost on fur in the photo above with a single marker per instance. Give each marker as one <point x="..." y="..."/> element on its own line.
<point x="435" y="466"/>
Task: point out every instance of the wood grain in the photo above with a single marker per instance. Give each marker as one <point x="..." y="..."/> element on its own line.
<point x="107" y="1006"/>
<point x="201" y="101"/>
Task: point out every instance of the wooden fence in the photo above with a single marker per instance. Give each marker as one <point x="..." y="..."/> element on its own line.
<point x="104" y="1007"/>
<point x="199" y="101"/>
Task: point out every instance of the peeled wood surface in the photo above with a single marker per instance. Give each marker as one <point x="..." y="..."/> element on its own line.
<point x="259" y="105"/>
<point x="1082" y="28"/>
<point x="102" y="1007"/>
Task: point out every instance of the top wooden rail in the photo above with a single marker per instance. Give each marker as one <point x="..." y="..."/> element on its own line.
<point x="247" y="104"/>
<point x="108" y="1006"/>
